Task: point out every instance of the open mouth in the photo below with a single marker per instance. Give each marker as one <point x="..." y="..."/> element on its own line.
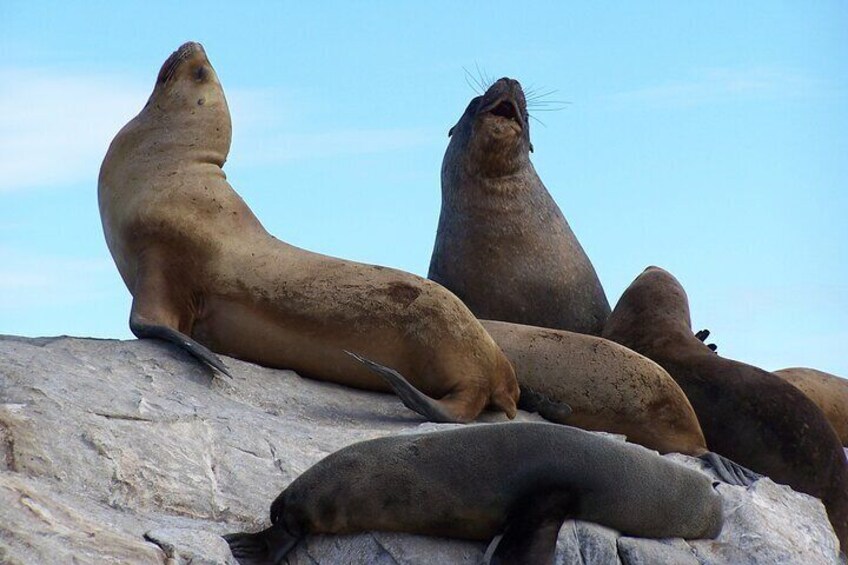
<point x="506" y="109"/>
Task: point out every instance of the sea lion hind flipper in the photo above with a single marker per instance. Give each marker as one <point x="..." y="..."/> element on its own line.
<point x="411" y="397"/>
<point x="531" y="530"/>
<point x="532" y="401"/>
<point x="729" y="471"/>
<point x="143" y="330"/>
<point x="268" y="547"/>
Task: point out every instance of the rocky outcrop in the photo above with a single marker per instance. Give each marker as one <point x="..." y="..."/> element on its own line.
<point x="131" y="452"/>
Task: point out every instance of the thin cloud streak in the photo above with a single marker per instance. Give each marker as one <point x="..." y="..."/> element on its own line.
<point x="27" y="280"/>
<point x="55" y="127"/>
<point x="711" y="86"/>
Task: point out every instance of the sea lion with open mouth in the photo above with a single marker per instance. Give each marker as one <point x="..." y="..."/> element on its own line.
<point x="503" y="245"/>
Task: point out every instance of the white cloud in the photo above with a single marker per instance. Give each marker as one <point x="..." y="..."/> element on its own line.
<point x="55" y="127"/>
<point x="272" y="147"/>
<point x="27" y="279"/>
<point x="709" y="86"/>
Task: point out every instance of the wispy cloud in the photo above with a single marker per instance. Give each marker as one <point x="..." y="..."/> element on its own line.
<point x="27" y="279"/>
<point x="710" y="86"/>
<point x="276" y="147"/>
<point x="55" y="127"/>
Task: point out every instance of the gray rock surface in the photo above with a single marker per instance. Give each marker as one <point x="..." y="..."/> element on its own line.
<point x="131" y="452"/>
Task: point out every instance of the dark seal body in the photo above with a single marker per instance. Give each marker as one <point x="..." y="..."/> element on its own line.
<point x="503" y="245"/>
<point x="205" y="274"/>
<point x="747" y="414"/>
<point x="479" y="481"/>
<point x="829" y="392"/>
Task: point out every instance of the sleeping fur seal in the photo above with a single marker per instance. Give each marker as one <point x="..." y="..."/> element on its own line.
<point x="503" y="245"/>
<point x="829" y="392"/>
<point x="204" y="273"/>
<point x="746" y="413"/>
<point x="521" y="480"/>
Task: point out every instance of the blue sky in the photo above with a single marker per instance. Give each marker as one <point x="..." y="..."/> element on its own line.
<point x="707" y="138"/>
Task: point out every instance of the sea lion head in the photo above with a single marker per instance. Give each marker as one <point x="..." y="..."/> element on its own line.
<point x="493" y="134"/>
<point x="652" y="309"/>
<point x="188" y="101"/>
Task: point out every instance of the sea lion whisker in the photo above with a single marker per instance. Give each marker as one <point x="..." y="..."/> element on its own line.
<point x="485" y="81"/>
<point x="469" y="79"/>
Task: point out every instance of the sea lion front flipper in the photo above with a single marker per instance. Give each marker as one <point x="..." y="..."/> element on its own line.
<point x="531" y="530"/>
<point x="729" y="471"/>
<point x="411" y="397"/>
<point x="156" y="312"/>
<point x="268" y="547"/>
<point x="532" y="401"/>
<point x="143" y="330"/>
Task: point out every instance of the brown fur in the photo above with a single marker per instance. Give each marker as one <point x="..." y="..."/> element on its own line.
<point x="197" y="260"/>
<point x="829" y="392"/>
<point x="478" y="481"/>
<point x="747" y="414"/>
<point x="609" y="387"/>
<point x="503" y="245"/>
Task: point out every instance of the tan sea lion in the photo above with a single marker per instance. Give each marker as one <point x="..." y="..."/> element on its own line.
<point x="596" y="384"/>
<point x="829" y="392"/>
<point x="521" y="480"/>
<point x="203" y="272"/>
<point x="747" y="414"/>
<point x="503" y="245"/>
<point x="608" y="387"/>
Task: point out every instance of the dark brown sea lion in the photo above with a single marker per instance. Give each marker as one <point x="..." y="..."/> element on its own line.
<point x="204" y="273"/>
<point x="503" y="245"/>
<point x="747" y="414"/>
<point x="829" y="392"/>
<point x="521" y="480"/>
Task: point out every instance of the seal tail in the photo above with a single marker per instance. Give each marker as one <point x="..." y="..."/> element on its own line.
<point x="144" y="330"/>
<point x="411" y="397"/>
<point x="532" y="401"/>
<point x="531" y="531"/>
<point x="729" y="471"/>
<point x="268" y="547"/>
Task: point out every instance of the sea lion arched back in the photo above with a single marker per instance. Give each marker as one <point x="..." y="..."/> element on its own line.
<point x="503" y="245"/>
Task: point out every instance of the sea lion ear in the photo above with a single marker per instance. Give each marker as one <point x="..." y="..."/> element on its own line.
<point x="450" y="131"/>
<point x="531" y="146"/>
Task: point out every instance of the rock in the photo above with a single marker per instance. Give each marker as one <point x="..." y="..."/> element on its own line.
<point x="131" y="452"/>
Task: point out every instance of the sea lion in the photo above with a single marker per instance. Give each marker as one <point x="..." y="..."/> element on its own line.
<point x="608" y="387"/>
<point x="521" y="480"/>
<point x="829" y="392"/>
<point x="747" y="414"/>
<point x="503" y="245"/>
<point x="204" y="273"/>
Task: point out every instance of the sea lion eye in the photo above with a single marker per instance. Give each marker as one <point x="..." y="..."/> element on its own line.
<point x="200" y="73"/>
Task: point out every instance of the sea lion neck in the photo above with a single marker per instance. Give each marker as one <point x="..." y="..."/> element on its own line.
<point x="492" y="139"/>
<point x="187" y="109"/>
<point x="652" y="314"/>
